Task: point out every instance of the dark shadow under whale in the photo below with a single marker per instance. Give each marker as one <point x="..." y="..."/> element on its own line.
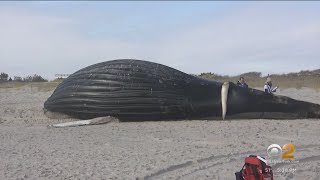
<point x="136" y="90"/>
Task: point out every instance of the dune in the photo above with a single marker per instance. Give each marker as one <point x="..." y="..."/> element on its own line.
<point x="199" y="149"/>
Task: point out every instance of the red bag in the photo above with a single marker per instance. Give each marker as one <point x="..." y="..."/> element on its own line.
<point x="255" y="168"/>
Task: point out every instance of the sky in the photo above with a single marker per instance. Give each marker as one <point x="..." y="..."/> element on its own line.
<point x="227" y="38"/>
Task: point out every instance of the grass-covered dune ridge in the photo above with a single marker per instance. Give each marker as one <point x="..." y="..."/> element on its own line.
<point x="310" y="79"/>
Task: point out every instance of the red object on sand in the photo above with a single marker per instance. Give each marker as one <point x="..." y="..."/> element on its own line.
<point x="255" y="168"/>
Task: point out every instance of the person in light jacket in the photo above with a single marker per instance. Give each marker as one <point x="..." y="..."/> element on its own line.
<point x="268" y="86"/>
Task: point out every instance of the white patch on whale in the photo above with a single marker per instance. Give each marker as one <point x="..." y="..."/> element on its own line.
<point x="224" y="98"/>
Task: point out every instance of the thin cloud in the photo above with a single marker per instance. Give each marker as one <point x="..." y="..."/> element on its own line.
<point x="281" y="41"/>
<point x="50" y="45"/>
<point x="263" y="37"/>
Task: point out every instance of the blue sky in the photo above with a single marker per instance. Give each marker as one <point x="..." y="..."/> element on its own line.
<point x="228" y="38"/>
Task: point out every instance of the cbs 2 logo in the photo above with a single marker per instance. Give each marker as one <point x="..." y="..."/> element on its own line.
<point x="274" y="150"/>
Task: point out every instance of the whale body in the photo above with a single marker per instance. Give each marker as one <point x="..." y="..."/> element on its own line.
<point x="137" y="90"/>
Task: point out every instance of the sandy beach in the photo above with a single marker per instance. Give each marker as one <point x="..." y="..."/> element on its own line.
<point x="199" y="149"/>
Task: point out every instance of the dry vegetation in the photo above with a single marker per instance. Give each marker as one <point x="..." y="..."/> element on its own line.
<point x="42" y="86"/>
<point x="298" y="80"/>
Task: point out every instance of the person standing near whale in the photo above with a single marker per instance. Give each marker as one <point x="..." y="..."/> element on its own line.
<point x="242" y="83"/>
<point x="268" y="86"/>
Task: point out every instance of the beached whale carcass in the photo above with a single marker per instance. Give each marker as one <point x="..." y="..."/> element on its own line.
<point x="136" y="90"/>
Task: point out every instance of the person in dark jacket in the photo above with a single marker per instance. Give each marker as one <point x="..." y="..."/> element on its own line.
<point x="242" y="83"/>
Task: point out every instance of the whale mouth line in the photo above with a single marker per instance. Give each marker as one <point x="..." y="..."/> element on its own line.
<point x="265" y="115"/>
<point x="258" y="115"/>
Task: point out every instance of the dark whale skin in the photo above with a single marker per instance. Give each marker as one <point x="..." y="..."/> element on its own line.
<point x="135" y="90"/>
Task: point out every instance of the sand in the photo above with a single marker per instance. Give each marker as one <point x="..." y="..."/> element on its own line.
<point x="198" y="149"/>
